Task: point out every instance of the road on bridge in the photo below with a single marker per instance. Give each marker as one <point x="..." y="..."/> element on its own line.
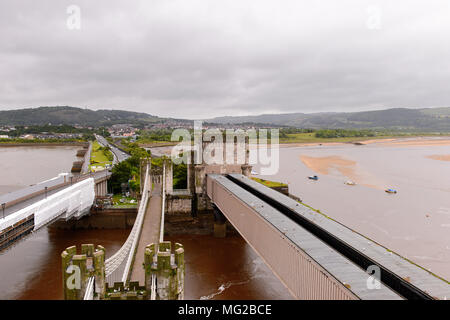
<point x="149" y="233"/>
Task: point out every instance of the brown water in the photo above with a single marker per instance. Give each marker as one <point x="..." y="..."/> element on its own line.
<point x="226" y="268"/>
<point x="415" y="222"/>
<point x="22" y="166"/>
<point x="215" y="268"/>
<point x="32" y="268"/>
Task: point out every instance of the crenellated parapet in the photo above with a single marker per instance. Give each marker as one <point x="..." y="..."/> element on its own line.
<point x="78" y="268"/>
<point x="164" y="274"/>
<point x="119" y="291"/>
<point x="165" y="270"/>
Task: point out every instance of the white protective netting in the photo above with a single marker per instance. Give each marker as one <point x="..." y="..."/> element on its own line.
<point x="73" y="201"/>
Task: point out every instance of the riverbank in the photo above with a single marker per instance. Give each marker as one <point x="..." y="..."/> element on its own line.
<point x="157" y="144"/>
<point x="392" y="141"/>
<point x="43" y="144"/>
<point x="308" y="139"/>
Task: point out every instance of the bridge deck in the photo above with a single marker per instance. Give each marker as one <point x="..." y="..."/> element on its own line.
<point x="149" y="234"/>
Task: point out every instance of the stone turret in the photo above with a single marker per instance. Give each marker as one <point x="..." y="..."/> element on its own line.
<point x="160" y="263"/>
<point x="167" y="269"/>
<point x="78" y="268"/>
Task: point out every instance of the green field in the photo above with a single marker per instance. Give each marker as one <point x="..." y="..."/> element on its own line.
<point x="100" y="157"/>
<point x="311" y="138"/>
<point x="293" y="135"/>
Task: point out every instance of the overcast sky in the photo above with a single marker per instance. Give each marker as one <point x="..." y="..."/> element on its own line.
<point x="206" y="58"/>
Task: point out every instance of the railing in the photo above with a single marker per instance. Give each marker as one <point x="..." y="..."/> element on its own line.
<point x="163" y="205"/>
<point x="89" y="293"/>
<point x="118" y="266"/>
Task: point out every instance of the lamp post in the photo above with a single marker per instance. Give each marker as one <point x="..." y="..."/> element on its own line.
<point x="3" y="208"/>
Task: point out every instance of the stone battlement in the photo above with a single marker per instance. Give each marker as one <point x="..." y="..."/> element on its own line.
<point x="167" y="268"/>
<point x="78" y="268"/>
<point x="164" y="273"/>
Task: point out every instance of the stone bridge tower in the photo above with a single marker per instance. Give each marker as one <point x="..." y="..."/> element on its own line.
<point x="230" y="164"/>
<point x="232" y="158"/>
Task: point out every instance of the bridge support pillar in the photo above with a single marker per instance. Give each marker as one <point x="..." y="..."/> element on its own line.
<point x="200" y="174"/>
<point x="168" y="165"/>
<point x="101" y="188"/>
<point x="220" y="226"/>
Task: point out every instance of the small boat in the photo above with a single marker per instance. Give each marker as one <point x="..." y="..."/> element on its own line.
<point x="390" y="191"/>
<point x="313" y="177"/>
<point x="350" y="183"/>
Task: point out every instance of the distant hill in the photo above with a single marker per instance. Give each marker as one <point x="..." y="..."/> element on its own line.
<point x="402" y="119"/>
<point x="74" y="116"/>
<point x="427" y="119"/>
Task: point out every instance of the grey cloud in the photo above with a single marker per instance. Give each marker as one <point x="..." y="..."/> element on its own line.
<point x="198" y="58"/>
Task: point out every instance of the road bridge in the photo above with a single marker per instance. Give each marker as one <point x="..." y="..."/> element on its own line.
<point x="64" y="197"/>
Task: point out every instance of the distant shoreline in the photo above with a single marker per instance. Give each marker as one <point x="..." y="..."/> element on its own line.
<point x="392" y="141"/>
<point x="388" y="140"/>
<point x="43" y="144"/>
